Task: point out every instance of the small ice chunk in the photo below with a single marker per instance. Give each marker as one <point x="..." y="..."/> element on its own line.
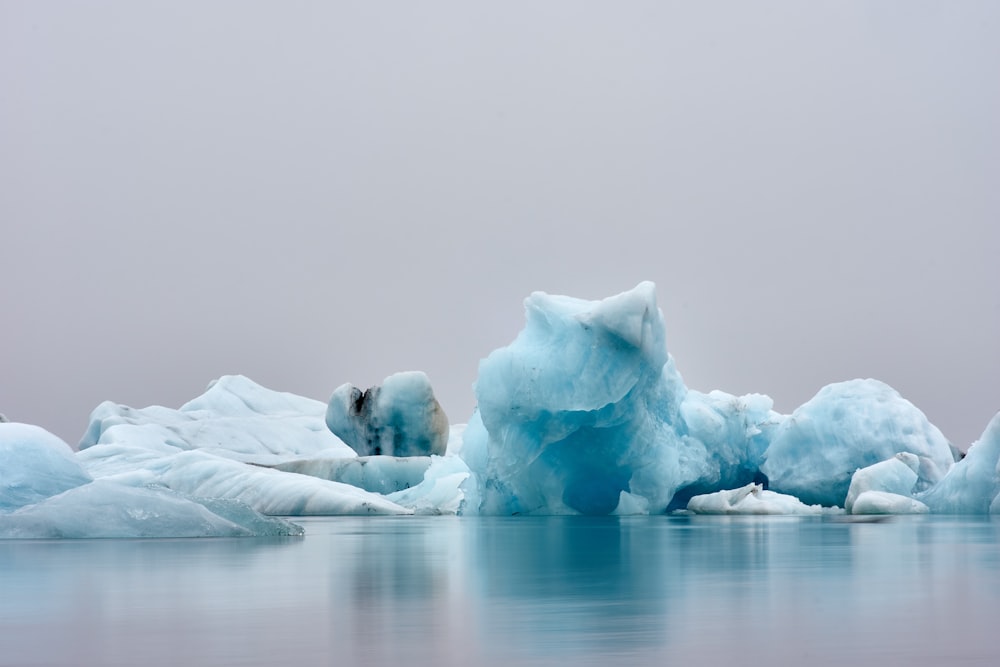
<point x="441" y="492"/>
<point x="897" y="475"/>
<point x="883" y="502"/>
<point x="399" y="418"/>
<point x="750" y="499"/>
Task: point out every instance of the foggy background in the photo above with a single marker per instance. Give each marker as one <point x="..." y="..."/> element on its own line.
<point x="315" y="193"/>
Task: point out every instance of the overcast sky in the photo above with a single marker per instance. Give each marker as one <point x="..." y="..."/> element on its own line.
<point x="312" y="193"/>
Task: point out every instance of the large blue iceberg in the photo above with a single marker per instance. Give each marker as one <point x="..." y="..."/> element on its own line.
<point x="583" y="413"/>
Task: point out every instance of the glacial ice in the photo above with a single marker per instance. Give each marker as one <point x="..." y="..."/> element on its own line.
<point x="104" y="508"/>
<point x="379" y="474"/>
<point x="846" y="426"/>
<point x="584" y="412"/>
<point x="973" y="484"/>
<point x="750" y="499"/>
<point x="236" y="418"/>
<point x="586" y="405"/>
<point x="34" y="465"/>
<point x="45" y="492"/>
<point x="883" y="502"/>
<point x="897" y="475"/>
<point x="400" y="417"/>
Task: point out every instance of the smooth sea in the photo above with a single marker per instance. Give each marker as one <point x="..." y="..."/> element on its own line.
<point x="661" y="590"/>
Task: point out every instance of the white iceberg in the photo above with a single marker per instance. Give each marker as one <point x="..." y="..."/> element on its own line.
<point x="45" y="492"/>
<point x="897" y="475"/>
<point x="273" y="492"/>
<point x="104" y="508"/>
<point x="235" y="417"/>
<point x="750" y="499"/>
<point x="883" y="502"/>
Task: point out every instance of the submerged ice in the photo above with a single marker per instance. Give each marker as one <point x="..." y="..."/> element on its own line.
<point x="584" y="412"/>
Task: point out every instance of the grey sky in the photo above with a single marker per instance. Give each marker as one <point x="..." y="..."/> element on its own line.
<point x="315" y="193"/>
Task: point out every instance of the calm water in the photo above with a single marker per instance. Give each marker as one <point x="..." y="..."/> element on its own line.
<point x="466" y="591"/>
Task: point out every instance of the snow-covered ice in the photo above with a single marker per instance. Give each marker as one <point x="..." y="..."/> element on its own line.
<point x="236" y="418"/>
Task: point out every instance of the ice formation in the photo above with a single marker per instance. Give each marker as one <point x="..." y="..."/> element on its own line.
<point x="380" y="474"/>
<point x="583" y="413"/>
<point x="104" y="508"/>
<point x="750" y="499"/>
<point x="35" y="465"/>
<point x="236" y="418"/>
<point x="586" y="405"/>
<point x="400" y="417"/>
<point x="203" y="450"/>
<point x="972" y="486"/>
<point x="45" y="492"/>
<point x="897" y="475"/>
<point x="883" y="502"/>
<point x="846" y="426"/>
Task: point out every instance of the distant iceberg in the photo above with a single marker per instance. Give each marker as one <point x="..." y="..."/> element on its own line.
<point x="583" y="413"/>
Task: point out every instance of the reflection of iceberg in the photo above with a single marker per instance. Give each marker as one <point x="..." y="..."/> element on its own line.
<point x="583" y="413"/>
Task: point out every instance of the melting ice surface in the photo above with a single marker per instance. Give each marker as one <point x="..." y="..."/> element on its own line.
<point x="583" y="413"/>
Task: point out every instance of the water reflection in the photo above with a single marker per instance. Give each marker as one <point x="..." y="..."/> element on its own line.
<point x="524" y="590"/>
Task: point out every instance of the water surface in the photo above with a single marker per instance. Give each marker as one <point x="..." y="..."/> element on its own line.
<point x="518" y="590"/>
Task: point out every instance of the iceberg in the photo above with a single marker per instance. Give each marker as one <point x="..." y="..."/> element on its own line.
<point x="847" y="426"/>
<point x="973" y="484"/>
<point x="587" y="405"/>
<point x="104" y="509"/>
<point x="225" y="445"/>
<point x="897" y="475"/>
<point x="400" y="417"/>
<point x="45" y="492"/>
<point x="584" y="412"/>
<point x="750" y="499"/>
<point x="35" y="465"/>
<point x="236" y="418"/>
